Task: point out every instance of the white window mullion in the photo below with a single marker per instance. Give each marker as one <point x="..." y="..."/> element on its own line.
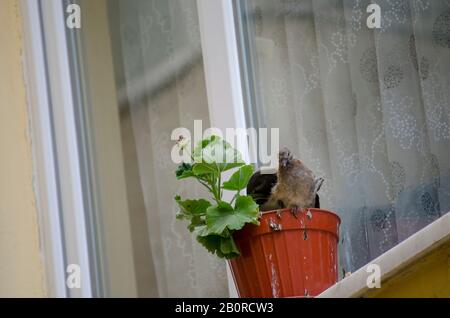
<point x="222" y="75"/>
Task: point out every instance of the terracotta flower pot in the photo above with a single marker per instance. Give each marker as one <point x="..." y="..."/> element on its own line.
<point x="287" y="256"/>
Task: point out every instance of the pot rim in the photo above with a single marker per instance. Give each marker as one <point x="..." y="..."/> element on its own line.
<point x="304" y="209"/>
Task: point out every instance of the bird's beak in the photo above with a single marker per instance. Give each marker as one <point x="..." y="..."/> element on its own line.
<point x="283" y="162"/>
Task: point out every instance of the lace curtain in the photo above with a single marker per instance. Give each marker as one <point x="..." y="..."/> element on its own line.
<point x="367" y="109"/>
<point x="162" y="88"/>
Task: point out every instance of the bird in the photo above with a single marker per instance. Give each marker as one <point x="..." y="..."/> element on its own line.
<point x="296" y="186"/>
<point x="260" y="186"/>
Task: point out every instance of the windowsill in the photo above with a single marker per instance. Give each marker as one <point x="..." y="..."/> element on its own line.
<point x="395" y="260"/>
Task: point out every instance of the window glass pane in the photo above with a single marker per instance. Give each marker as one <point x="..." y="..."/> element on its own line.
<point x="142" y="76"/>
<point x="367" y="109"/>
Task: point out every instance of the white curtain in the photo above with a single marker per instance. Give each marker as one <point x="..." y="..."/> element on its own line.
<point x="163" y="88"/>
<point x="367" y="109"/>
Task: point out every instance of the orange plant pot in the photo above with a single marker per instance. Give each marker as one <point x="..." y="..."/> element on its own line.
<point x="287" y="256"/>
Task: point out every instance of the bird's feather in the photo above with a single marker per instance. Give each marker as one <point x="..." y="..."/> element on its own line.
<point x="296" y="185"/>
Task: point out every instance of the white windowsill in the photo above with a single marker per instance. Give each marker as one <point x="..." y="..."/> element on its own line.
<point x="394" y="260"/>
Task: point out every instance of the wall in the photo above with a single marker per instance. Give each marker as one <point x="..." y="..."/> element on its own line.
<point x="21" y="272"/>
<point x="428" y="277"/>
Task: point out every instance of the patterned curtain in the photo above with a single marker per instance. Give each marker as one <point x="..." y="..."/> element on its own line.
<point x="367" y="109"/>
<point x="163" y="88"/>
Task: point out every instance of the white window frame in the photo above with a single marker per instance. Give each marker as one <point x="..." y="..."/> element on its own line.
<point x="44" y="148"/>
<point x="59" y="185"/>
<point x="54" y="135"/>
<point x="223" y="76"/>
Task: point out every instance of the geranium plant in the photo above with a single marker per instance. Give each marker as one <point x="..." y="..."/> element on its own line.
<point x="213" y="220"/>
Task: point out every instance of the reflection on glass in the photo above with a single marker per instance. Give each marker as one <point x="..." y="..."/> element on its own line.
<point x="143" y="76"/>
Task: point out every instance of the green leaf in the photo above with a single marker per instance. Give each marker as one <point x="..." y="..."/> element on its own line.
<point x="180" y="216"/>
<point x="210" y="242"/>
<point x="223" y="247"/>
<point x="200" y="169"/>
<point x="201" y="145"/>
<point x="247" y="208"/>
<point x="227" y="166"/>
<point x="194" y="207"/>
<point x="191" y="208"/>
<point x="218" y="153"/>
<point x="224" y="216"/>
<point x="202" y="230"/>
<point x="184" y="171"/>
<point x="245" y="204"/>
<point x="196" y="222"/>
<point x="219" y="216"/>
<point x="228" y="246"/>
<point x="239" y="179"/>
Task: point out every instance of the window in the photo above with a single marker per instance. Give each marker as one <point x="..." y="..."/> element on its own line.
<point x="143" y="72"/>
<point x="367" y="109"/>
<point x="115" y="90"/>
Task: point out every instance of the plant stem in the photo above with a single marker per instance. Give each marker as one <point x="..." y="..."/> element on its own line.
<point x="205" y="185"/>
<point x="213" y="184"/>
<point x="218" y="186"/>
<point x="235" y="196"/>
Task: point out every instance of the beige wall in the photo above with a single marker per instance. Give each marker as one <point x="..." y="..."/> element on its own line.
<point x="21" y="271"/>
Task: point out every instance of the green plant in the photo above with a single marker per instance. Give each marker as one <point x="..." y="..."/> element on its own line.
<point x="214" y="221"/>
